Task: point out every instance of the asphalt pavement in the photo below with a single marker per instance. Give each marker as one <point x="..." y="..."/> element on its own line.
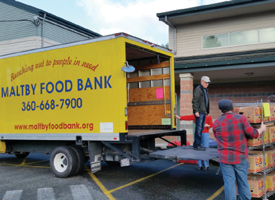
<point x="31" y="178"/>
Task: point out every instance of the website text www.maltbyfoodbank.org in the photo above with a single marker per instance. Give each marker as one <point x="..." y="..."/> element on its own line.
<point x="50" y="126"/>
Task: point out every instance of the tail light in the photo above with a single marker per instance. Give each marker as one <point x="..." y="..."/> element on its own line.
<point x="126" y="125"/>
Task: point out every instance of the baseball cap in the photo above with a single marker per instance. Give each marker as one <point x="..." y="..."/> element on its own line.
<point x="225" y="105"/>
<point x="205" y="79"/>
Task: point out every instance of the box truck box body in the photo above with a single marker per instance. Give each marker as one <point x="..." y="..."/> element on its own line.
<point x="81" y="89"/>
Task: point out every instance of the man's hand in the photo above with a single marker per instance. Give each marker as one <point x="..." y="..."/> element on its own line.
<point x="206" y="125"/>
<point x="262" y="129"/>
<point x="177" y="117"/>
<point x="197" y="114"/>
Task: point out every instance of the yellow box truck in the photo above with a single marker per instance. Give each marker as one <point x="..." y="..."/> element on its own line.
<point x="96" y="98"/>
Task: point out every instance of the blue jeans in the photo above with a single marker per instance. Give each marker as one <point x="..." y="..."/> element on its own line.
<point x="230" y="173"/>
<point x="205" y="143"/>
<point x="199" y="128"/>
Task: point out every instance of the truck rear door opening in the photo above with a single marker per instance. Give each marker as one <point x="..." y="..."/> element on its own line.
<point x="149" y="91"/>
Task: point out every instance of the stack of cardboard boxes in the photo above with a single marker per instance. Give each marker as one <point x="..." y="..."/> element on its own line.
<point x="256" y="184"/>
<point x="255" y="157"/>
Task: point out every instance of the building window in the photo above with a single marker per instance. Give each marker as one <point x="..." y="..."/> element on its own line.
<point x="267" y="35"/>
<point x="213" y="41"/>
<point x="245" y="37"/>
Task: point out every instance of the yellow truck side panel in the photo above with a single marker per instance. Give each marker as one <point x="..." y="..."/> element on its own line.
<point x="76" y="89"/>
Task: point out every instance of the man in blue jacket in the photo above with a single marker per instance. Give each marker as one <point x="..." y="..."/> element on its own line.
<point x="200" y="104"/>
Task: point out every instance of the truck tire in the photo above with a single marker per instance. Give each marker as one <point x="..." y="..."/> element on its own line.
<point x="80" y="159"/>
<point x="63" y="161"/>
<point x="21" y="154"/>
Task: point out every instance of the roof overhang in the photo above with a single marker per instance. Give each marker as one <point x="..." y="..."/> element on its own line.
<point x="215" y="11"/>
<point x="230" y="67"/>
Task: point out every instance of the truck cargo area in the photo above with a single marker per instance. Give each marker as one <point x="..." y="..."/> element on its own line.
<point x="149" y="89"/>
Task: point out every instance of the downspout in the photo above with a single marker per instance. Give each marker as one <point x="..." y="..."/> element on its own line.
<point x="42" y="31"/>
<point x="175" y="33"/>
<point x="175" y="52"/>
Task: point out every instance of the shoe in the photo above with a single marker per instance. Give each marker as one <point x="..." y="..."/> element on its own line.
<point x="199" y="148"/>
<point x="199" y="168"/>
<point x="204" y="168"/>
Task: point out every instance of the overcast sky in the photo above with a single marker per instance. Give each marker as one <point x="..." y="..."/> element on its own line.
<point x="135" y="17"/>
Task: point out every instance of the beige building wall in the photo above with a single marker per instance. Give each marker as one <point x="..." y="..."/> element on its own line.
<point x="23" y="44"/>
<point x="171" y="38"/>
<point x="190" y="37"/>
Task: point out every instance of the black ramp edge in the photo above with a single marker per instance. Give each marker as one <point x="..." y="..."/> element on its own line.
<point x="185" y="153"/>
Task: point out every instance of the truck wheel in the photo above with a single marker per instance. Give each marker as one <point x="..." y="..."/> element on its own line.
<point x="21" y="154"/>
<point x="63" y="161"/>
<point x="80" y="159"/>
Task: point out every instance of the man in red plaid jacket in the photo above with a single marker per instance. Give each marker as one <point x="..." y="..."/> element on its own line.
<point x="231" y="131"/>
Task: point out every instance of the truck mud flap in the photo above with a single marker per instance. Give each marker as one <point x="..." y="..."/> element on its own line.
<point x="185" y="153"/>
<point x="95" y="150"/>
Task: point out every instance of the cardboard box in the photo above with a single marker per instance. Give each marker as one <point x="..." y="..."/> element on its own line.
<point x="271" y="154"/>
<point x="256" y="184"/>
<point x="253" y="113"/>
<point x="259" y="141"/>
<point x="255" y="163"/>
<point x="272" y="111"/>
<point x="236" y="110"/>
<point x="271" y="177"/>
<point x="258" y="178"/>
<point x="260" y="153"/>
<point x="268" y="183"/>
<point x="271" y="133"/>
